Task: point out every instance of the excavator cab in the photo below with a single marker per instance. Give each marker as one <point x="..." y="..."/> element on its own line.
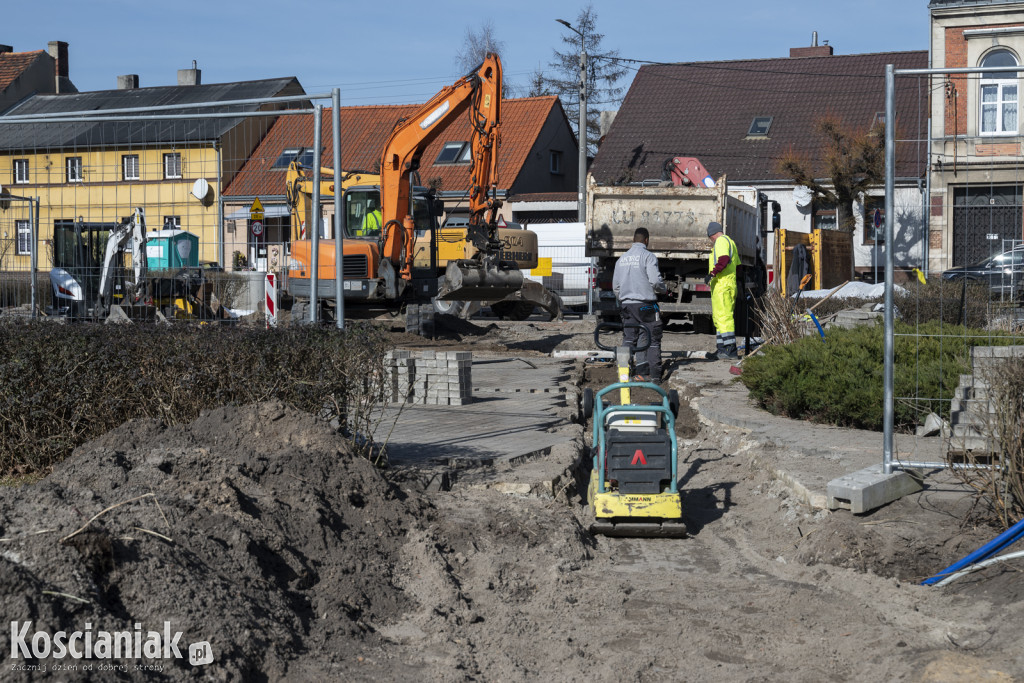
<point x="78" y="253"/>
<point x="362" y="212"/>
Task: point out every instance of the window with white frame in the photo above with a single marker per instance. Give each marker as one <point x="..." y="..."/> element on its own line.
<point x="73" y="169"/>
<point x="24" y="229"/>
<point x="999" y="95"/>
<point x="130" y="166"/>
<point x="20" y="171"/>
<point x="172" y="165"/>
<point x="172" y="222"/>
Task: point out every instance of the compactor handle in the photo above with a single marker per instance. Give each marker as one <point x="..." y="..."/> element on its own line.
<point x="617" y="327"/>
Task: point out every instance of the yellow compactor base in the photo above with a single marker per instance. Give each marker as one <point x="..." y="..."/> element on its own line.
<point x="644" y="515"/>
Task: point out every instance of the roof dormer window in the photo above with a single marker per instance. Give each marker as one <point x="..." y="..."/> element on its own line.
<point x="454" y="153"/>
<point x="760" y="126"/>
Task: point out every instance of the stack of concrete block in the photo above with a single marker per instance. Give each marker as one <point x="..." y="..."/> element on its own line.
<point x="401" y="375"/>
<point x="419" y="319"/>
<point x="430" y="377"/>
<point x="445" y="377"/>
<point x="972" y="412"/>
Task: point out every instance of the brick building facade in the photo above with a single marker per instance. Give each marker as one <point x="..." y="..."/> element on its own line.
<point x="976" y="165"/>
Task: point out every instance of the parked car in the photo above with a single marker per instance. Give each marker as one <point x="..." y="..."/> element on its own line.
<point x="1003" y="273"/>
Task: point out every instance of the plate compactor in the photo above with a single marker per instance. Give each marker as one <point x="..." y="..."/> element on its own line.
<point x="633" y="487"/>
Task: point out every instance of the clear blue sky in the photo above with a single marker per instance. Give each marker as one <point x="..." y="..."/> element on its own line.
<point x="402" y="51"/>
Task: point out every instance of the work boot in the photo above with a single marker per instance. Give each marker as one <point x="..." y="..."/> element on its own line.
<point x="729" y="353"/>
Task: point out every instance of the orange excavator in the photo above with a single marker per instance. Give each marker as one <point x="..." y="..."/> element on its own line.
<point x="379" y="263"/>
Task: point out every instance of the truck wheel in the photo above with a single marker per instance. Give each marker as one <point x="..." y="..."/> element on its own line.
<point x="453" y="308"/>
<point x="513" y="310"/>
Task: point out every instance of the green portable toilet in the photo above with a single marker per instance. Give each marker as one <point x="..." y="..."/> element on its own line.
<point x="172" y="249"/>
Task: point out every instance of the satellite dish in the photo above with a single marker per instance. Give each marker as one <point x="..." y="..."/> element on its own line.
<point x="200" y="189"/>
<point x="802" y="196"/>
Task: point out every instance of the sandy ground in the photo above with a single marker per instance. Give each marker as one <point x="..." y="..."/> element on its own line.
<point x="296" y="561"/>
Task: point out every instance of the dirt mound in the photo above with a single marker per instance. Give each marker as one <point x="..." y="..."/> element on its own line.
<point x="253" y="528"/>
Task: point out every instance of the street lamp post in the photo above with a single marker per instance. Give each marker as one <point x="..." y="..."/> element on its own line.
<point x="582" y="137"/>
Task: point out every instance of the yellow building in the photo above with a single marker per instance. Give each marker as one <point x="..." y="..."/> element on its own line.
<point x="99" y="167"/>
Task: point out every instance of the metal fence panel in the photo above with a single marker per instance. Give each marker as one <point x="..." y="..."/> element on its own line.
<point x="951" y="338"/>
<point x="570" y="273"/>
<point x="194" y="172"/>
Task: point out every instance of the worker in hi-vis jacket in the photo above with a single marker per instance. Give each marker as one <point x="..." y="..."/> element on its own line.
<point x="721" y="276"/>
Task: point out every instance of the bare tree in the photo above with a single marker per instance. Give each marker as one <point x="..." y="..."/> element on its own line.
<point x="539" y="85"/>
<point x="563" y="79"/>
<point x="476" y="46"/>
<point x="852" y="160"/>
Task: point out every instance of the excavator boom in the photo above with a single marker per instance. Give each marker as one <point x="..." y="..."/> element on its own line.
<point x="478" y="94"/>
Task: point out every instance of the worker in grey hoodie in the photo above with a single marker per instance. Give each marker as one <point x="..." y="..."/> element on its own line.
<point x="637" y="282"/>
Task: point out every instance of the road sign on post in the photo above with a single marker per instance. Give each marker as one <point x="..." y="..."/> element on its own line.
<point x="256" y="223"/>
<point x="256" y="210"/>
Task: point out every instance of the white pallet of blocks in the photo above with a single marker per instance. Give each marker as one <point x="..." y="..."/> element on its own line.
<point x="430" y="377"/>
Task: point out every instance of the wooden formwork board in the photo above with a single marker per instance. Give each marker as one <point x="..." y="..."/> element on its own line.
<point x="829" y="252"/>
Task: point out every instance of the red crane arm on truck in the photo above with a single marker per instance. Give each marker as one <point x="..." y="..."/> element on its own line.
<point x="480" y="92"/>
<point x="689" y="171"/>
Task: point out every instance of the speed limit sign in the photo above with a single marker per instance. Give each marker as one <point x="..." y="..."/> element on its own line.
<point x="256" y="227"/>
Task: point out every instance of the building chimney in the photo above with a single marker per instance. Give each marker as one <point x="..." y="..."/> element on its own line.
<point x="6" y="48"/>
<point x="191" y="76"/>
<point x="128" y="82"/>
<point x="814" y="50"/>
<point x="58" y="49"/>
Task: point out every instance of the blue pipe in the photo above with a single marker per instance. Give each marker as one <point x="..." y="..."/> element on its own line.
<point x="996" y="545"/>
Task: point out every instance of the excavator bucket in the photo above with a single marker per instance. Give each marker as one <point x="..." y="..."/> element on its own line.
<point x="471" y="280"/>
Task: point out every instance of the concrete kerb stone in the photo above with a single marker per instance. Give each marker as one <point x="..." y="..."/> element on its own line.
<point x="869" y="489"/>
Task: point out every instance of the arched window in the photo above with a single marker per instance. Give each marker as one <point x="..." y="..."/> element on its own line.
<point x="999" y="99"/>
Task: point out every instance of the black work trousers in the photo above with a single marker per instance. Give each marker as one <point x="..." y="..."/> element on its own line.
<point x="647" y="314"/>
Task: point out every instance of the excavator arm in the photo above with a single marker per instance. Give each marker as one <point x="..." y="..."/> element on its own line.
<point x="132" y="231"/>
<point x="479" y="95"/>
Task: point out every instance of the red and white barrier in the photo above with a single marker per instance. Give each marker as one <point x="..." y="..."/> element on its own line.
<point x="271" y="302"/>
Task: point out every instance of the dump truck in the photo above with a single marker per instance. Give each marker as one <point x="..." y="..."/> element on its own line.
<point x="677" y="216"/>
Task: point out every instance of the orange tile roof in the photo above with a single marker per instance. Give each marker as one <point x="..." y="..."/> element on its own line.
<point x="13" y="64"/>
<point x="364" y="131"/>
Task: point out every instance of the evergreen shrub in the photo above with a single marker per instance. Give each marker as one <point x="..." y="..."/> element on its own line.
<point x="840" y="381"/>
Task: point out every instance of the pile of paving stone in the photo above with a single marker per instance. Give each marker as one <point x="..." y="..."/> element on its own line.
<point x="429" y="377"/>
